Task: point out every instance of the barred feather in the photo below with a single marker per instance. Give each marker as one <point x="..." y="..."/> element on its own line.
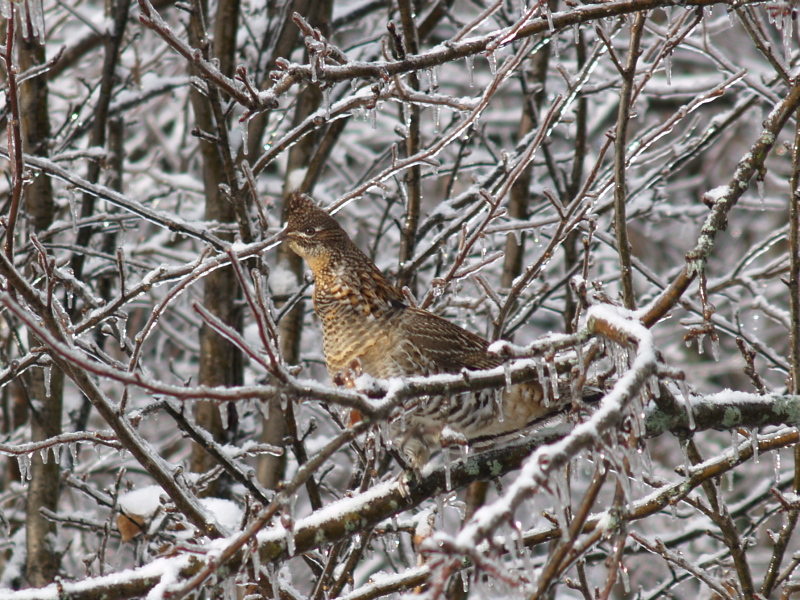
<point x="366" y="321"/>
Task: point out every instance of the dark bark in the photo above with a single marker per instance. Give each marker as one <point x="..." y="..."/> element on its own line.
<point x="220" y="361"/>
<point x="97" y="137"/>
<point x="45" y="401"/>
<point x="278" y="425"/>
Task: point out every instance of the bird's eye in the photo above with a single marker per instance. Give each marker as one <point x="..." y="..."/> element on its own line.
<point x="309" y="231"/>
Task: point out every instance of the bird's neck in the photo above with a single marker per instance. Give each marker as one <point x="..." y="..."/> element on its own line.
<point x="351" y="276"/>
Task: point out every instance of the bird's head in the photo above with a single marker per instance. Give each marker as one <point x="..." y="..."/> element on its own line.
<point x="311" y="232"/>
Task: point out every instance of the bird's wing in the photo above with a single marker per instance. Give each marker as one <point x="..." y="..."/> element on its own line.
<point x="444" y="346"/>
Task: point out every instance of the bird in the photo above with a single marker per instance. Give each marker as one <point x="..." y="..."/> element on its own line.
<point x="369" y="327"/>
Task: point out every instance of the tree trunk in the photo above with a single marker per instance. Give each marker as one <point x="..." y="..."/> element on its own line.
<point x="220" y="362"/>
<point x="45" y="398"/>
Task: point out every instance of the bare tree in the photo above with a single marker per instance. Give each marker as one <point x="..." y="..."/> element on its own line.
<point x="608" y="192"/>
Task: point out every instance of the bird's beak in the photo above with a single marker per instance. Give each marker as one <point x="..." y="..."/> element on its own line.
<point x="282" y="236"/>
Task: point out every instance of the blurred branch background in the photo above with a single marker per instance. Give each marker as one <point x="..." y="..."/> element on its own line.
<point x="609" y="191"/>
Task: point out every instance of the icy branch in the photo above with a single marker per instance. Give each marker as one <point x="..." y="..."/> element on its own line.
<point x="613" y="324"/>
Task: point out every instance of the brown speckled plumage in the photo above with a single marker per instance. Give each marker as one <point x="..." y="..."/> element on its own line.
<point x="366" y="321"/>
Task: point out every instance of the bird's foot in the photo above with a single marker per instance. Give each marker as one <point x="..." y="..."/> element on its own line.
<point x="450" y="438"/>
<point x="347" y="377"/>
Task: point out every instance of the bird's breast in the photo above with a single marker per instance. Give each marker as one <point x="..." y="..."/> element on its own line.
<point x="354" y="328"/>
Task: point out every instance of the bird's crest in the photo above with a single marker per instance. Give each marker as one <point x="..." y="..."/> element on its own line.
<point x="303" y="213"/>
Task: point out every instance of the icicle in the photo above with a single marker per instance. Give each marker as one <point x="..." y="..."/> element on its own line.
<point x="498" y="400"/>
<point x="647" y="462"/>
<point x="245" y="128"/>
<point x="637" y="469"/>
<point x="272" y="575"/>
<point x="255" y="557"/>
<point x="436" y="113"/>
<point x="527" y="563"/>
<point x="673" y="510"/>
<point x="626" y="580"/>
<point x="289" y="537"/>
<point x="625" y="484"/>
<point x="73" y="209"/>
<point x="771" y="17"/>
<point x="373" y="118"/>
<point x="620" y="358"/>
<point x="122" y="325"/>
<point x="714" y="347"/>
<point x="548" y="13"/>
<point x="24" y="461"/>
<point x="687" y="464"/>
<point x="448" y="481"/>
<point x="223" y="415"/>
<point x="561" y="518"/>
<point x="668" y="67"/>
<point x="465" y="580"/>
<point x="47" y="374"/>
<point x="776" y="463"/>
<point x="161" y="345"/>
<point x="263" y="408"/>
<point x="326" y="101"/>
<point x="466" y="450"/>
<point x="378" y="444"/>
<point x="371" y="448"/>
<point x="652" y="385"/>
<point x="57" y="454"/>
<point x="507" y="374"/>
<point x="284" y="402"/>
<point x="553" y="373"/>
<point x="729" y="477"/>
<point x="73" y="450"/>
<point x="471" y="69"/>
<point x="787" y="30"/>
<point x="562" y="499"/>
<point x="511" y="549"/>
<point x="492" y="58"/>
<point x="574" y="383"/>
<point x="754" y="444"/>
<point x="540" y="376"/>
<point x="687" y="402"/>
<point x="761" y="190"/>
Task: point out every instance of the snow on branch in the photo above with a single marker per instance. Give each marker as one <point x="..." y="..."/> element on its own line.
<point x="618" y="326"/>
<point x="726" y="410"/>
<point x="722" y="199"/>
